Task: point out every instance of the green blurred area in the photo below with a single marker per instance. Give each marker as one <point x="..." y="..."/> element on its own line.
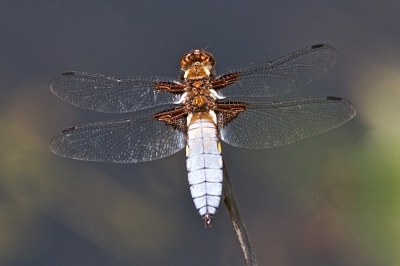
<point x="35" y="186"/>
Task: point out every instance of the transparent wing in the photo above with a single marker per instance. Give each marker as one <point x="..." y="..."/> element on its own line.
<point x="110" y="94"/>
<point x="270" y="124"/>
<point x="130" y="140"/>
<point x="279" y="76"/>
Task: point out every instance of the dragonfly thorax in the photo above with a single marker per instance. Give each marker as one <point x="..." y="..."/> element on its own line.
<point x="199" y="95"/>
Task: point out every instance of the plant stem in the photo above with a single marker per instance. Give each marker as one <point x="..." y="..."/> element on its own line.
<point x="237" y="220"/>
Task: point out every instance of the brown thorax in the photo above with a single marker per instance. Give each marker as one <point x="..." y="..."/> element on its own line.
<point x="199" y="95"/>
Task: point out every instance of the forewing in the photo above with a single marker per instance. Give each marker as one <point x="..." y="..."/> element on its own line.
<point x="111" y="94"/>
<point x="279" y="76"/>
<point x="130" y="140"/>
<point x="270" y="124"/>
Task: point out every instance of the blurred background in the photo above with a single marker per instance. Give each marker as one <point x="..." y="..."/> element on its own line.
<point x="332" y="199"/>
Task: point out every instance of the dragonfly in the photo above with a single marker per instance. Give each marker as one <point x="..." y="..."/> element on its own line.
<point x="197" y="111"/>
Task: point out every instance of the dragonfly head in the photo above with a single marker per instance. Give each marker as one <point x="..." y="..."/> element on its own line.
<point x="197" y="64"/>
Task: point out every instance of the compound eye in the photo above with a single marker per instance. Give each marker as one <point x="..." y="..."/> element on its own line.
<point x="208" y="59"/>
<point x="185" y="60"/>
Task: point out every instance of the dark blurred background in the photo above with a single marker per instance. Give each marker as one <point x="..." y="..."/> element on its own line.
<point x="332" y="199"/>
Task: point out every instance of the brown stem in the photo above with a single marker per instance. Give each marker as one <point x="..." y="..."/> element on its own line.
<point x="237" y="220"/>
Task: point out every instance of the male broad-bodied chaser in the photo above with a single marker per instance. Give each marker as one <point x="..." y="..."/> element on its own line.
<point x="197" y="111"/>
